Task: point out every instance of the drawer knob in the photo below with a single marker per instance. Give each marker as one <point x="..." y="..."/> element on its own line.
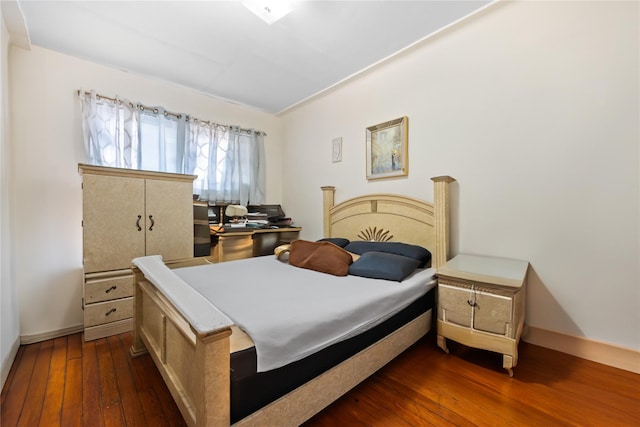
<point x="113" y="310"/>
<point x="472" y="303"/>
<point x="113" y="288"/>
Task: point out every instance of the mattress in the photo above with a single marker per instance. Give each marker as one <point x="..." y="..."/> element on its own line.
<point x="291" y="312"/>
<point x="252" y="390"/>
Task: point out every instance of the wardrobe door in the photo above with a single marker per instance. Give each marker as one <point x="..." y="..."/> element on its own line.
<point x="113" y="222"/>
<point x="169" y="219"/>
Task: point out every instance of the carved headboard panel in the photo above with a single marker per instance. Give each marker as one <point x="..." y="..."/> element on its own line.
<point x="390" y="217"/>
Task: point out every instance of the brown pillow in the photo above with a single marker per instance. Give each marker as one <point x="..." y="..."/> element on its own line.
<point x="324" y="257"/>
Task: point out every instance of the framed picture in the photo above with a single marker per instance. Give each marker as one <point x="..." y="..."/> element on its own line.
<point x="387" y="151"/>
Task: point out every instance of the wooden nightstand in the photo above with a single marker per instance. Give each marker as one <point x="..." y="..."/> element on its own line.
<point x="481" y="304"/>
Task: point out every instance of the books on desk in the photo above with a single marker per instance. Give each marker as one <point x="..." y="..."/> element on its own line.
<point x="247" y="224"/>
<point x="257" y="222"/>
<point x="231" y="227"/>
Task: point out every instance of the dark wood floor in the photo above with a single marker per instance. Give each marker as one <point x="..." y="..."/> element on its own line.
<point x="66" y="382"/>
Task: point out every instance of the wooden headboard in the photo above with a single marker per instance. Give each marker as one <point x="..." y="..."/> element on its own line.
<point x="391" y="217"/>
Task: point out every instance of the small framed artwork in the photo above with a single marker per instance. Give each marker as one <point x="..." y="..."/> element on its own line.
<point x="387" y="150"/>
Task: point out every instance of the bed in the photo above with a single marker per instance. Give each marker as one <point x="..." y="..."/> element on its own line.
<point x="198" y="349"/>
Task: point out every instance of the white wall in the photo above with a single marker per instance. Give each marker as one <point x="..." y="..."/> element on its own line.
<point x="534" y="108"/>
<point x="9" y="327"/>
<point x="47" y="146"/>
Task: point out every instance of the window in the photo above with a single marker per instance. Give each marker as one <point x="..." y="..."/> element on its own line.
<point x="228" y="161"/>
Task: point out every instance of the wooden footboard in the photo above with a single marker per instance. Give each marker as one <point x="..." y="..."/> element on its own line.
<point x="194" y="366"/>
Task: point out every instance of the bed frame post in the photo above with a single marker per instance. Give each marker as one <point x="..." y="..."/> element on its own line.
<point x="327" y="203"/>
<point x="212" y="367"/>
<point x="441" y="217"/>
<point x="137" y="348"/>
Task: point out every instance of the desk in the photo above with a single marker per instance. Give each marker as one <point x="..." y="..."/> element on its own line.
<point x="250" y="242"/>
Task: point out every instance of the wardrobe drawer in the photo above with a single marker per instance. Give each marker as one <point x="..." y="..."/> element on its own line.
<point x="104" y="289"/>
<point x="108" y="311"/>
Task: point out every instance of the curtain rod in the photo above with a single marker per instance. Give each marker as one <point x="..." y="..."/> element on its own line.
<point x="169" y="113"/>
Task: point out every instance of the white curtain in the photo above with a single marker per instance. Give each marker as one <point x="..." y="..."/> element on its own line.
<point x="161" y="140"/>
<point x="109" y="128"/>
<point x="228" y="161"/>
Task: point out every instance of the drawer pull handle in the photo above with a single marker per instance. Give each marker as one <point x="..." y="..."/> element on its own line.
<point x="472" y="303"/>
<point x="138" y="223"/>
<point x="113" y="310"/>
<point x="113" y="288"/>
<point x="152" y="222"/>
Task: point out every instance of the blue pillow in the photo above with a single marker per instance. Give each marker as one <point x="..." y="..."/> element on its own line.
<point x="338" y="241"/>
<point x="418" y="253"/>
<point x="380" y="265"/>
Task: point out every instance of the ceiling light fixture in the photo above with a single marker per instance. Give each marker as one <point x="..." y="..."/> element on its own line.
<point x="269" y="11"/>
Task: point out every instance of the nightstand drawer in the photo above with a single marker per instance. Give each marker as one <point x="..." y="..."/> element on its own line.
<point x="453" y="306"/>
<point x="105" y="289"/>
<point x="109" y="311"/>
<point x="466" y="305"/>
<point x="492" y="313"/>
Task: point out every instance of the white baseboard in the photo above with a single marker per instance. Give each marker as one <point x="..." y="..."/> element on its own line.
<point x="30" y="339"/>
<point x="8" y="362"/>
<point x="596" y="351"/>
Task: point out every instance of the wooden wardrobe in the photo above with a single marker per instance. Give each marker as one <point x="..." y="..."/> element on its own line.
<point x="127" y="214"/>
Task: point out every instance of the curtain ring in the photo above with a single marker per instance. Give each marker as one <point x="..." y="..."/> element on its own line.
<point x="155" y="111"/>
<point x="179" y="116"/>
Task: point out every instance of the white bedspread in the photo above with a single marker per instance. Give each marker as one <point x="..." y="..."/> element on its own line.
<point x="291" y="312"/>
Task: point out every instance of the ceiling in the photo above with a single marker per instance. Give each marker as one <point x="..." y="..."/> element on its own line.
<point x="222" y="49"/>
